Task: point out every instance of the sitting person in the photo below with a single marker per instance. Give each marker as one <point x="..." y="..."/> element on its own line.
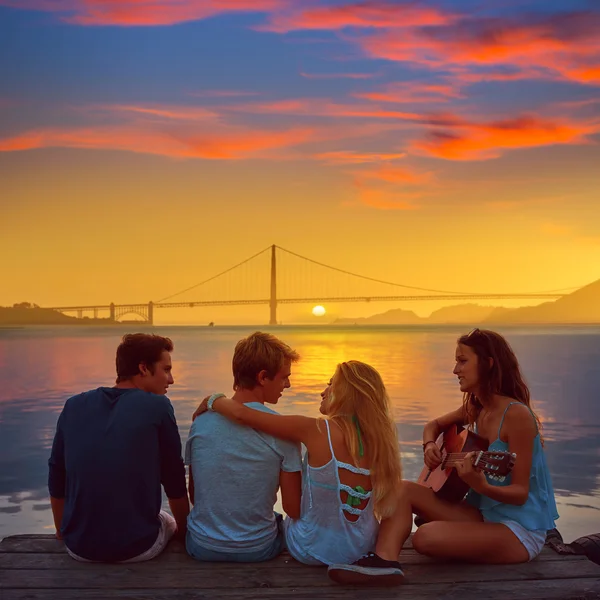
<point x="113" y="449"/>
<point x="500" y="522"/>
<point x="235" y="471"/>
<point x="351" y="470"/>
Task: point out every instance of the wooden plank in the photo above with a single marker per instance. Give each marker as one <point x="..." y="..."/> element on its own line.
<point x="584" y="589"/>
<point x="166" y="561"/>
<point x="171" y="560"/>
<point x="48" y="544"/>
<point x="254" y="575"/>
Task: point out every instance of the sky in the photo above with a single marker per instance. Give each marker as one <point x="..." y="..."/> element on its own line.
<point x="147" y="145"/>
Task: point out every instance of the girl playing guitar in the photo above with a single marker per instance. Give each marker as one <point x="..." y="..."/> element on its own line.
<point x="498" y="522"/>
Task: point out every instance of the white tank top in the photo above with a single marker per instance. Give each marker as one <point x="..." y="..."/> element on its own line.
<point x="322" y="533"/>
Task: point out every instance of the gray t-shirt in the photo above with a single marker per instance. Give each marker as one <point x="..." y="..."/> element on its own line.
<point x="236" y="477"/>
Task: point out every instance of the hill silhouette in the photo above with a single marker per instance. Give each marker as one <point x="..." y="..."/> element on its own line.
<point x="25" y="313"/>
<point x="581" y="306"/>
<point x="395" y="316"/>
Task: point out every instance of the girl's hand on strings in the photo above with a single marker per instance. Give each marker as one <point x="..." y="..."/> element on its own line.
<point x="470" y="474"/>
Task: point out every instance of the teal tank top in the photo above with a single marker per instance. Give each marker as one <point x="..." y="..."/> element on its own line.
<point x="539" y="511"/>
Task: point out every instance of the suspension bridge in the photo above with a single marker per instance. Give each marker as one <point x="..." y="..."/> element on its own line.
<point x="276" y="276"/>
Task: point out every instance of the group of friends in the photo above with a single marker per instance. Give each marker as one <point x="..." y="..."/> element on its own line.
<point x="345" y="502"/>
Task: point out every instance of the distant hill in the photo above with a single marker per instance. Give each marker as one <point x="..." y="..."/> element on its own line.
<point x="30" y="314"/>
<point x="581" y="306"/>
<point x="462" y="313"/>
<point x="396" y="316"/>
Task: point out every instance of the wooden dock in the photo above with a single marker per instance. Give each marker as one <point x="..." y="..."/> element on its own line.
<point x="36" y="567"/>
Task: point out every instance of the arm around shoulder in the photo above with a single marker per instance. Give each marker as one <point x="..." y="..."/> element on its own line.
<point x="293" y="428"/>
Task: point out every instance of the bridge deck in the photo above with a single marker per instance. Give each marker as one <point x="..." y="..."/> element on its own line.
<point x="36" y="567"/>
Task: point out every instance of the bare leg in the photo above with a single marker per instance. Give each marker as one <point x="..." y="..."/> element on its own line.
<point x="382" y="566"/>
<point x="393" y="532"/>
<point x="490" y="543"/>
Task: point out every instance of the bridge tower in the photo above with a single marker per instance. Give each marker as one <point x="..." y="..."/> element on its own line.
<point x="151" y="313"/>
<point x="273" y="298"/>
<point x="112" y="312"/>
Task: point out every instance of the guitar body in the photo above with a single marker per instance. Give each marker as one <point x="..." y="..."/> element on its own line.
<point x="445" y="482"/>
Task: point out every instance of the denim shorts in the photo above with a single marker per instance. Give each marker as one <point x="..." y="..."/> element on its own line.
<point x="532" y="540"/>
<point x="204" y="554"/>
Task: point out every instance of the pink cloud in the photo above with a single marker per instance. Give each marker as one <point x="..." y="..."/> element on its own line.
<point x="373" y="14"/>
<point x="565" y="45"/>
<point x="387" y="199"/>
<point x="321" y="107"/>
<point x="142" y="12"/>
<point x="184" y="113"/>
<point x="413" y="91"/>
<point x="396" y="175"/>
<point x="350" y="157"/>
<point x="482" y="141"/>
<point x="230" y="145"/>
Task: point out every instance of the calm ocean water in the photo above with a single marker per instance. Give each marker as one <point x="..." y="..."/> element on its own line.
<point x="41" y="367"/>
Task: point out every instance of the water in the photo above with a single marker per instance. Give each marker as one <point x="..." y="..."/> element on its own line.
<point x="41" y="367"/>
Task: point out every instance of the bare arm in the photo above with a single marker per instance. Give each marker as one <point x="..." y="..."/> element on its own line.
<point x="432" y="430"/>
<point x="180" y="507"/>
<point x="292" y="428"/>
<point x="58" y="508"/>
<point x="291" y="492"/>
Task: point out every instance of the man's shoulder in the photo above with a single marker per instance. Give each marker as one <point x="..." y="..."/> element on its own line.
<point x="261" y="407"/>
<point x="83" y="396"/>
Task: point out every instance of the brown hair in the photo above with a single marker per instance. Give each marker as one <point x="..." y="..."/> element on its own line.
<point x="259" y="352"/>
<point x="136" y="348"/>
<point x="502" y="377"/>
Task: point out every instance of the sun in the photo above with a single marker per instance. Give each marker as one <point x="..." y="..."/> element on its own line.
<point x="318" y="311"/>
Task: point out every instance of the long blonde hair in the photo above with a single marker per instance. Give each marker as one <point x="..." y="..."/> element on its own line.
<point x="358" y="396"/>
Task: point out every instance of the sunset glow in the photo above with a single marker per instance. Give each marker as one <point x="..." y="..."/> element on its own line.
<point x="146" y="147"/>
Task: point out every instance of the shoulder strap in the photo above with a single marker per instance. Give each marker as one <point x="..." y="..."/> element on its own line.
<point x="504" y="415"/>
<point x="329" y="438"/>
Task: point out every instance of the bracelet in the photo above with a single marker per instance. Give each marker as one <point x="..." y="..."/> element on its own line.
<point x="425" y="444"/>
<point x="212" y="399"/>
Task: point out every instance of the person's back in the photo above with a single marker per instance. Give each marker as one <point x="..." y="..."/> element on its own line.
<point x="112" y="450"/>
<point x="236" y="471"/>
<point x="111" y="441"/>
<point x="337" y="521"/>
<point x="352" y="469"/>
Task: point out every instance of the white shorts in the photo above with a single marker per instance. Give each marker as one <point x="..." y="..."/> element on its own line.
<point x="167" y="530"/>
<point x="532" y="540"/>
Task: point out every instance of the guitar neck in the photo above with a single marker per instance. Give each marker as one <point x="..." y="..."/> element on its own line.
<point x="453" y="458"/>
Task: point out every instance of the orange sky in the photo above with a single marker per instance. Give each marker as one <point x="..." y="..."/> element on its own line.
<point x="143" y="152"/>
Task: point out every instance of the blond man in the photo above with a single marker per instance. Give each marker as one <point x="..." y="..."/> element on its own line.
<point x="235" y="471"/>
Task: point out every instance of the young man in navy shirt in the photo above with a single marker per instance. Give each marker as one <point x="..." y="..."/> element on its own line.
<point x="113" y="448"/>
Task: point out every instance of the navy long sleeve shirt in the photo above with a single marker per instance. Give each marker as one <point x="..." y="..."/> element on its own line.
<point x="112" y="450"/>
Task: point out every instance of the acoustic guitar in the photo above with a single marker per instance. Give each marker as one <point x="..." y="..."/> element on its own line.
<point x="454" y="444"/>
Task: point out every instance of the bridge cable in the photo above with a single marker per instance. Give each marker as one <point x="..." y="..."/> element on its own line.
<point x="214" y="276"/>
<point x="410" y="287"/>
